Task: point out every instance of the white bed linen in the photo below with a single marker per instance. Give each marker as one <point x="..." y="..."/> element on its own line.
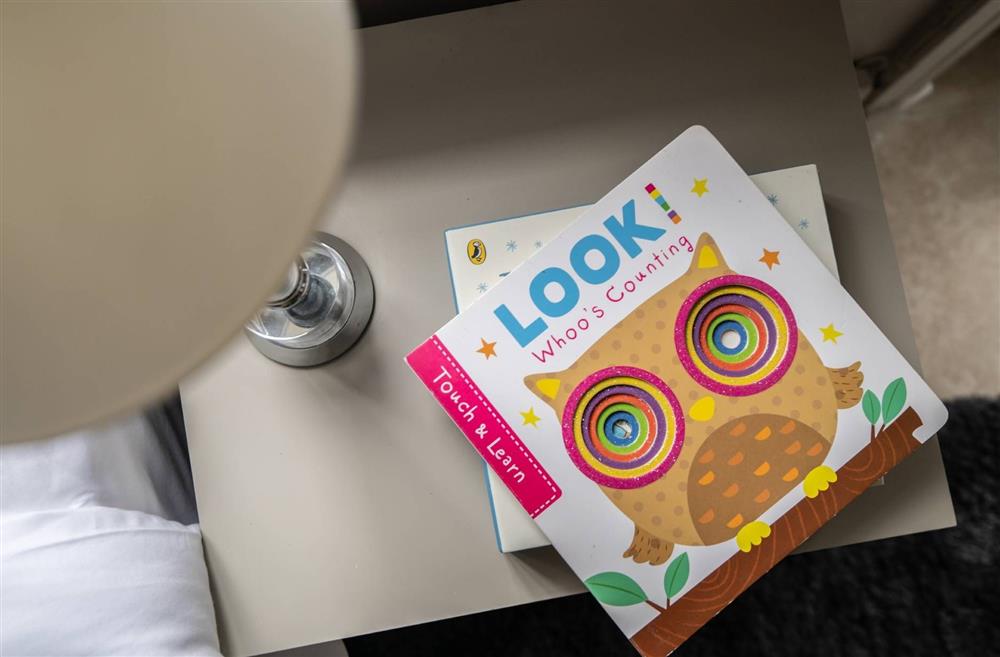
<point x="87" y="564"/>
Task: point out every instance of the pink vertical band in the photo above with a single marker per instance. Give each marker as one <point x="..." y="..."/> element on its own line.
<point x="488" y="432"/>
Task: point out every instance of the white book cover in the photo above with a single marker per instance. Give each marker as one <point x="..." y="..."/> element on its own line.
<point x="480" y="255"/>
<point x="677" y="390"/>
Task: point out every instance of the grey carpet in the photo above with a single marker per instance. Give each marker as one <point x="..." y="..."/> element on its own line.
<point x="936" y="593"/>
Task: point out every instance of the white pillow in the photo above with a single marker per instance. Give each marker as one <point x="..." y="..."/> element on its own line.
<point x="89" y="566"/>
<point x="116" y="464"/>
<point x="103" y="581"/>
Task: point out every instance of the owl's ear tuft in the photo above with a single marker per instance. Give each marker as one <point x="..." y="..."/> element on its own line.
<point x="707" y="255"/>
<point x="546" y="386"/>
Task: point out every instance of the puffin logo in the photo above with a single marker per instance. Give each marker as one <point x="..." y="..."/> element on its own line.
<point x="476" y="251"/>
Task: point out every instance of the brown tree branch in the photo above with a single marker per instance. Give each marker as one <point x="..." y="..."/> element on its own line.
<point x="680" y="620"/>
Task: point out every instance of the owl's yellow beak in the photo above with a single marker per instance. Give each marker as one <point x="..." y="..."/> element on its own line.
<point x="702" y="410"/>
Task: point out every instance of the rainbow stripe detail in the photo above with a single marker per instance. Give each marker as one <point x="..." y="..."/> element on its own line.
<point x="757" y="317"/>
<point x="655" y="194"/>
<point x="623" y="427"/>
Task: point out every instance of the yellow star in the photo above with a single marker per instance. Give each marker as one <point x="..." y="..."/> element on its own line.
<point x="830" y="334"/>
<point x="770" y="258"/>
<point x="488" y="349"/>
<point x="700" y="187"/>
<point x="530" y="417"/>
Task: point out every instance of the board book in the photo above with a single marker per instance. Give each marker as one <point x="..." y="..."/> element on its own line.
<point x="677" y="391"/>
<point x="482" y="254"/>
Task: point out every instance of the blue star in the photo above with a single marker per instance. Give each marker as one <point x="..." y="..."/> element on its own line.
<point x="538" y="244"/>
<point x="773" y="198"/>
<point x="511" y="246"/>
<point x="803" y="224"/>
<point x="482" y="287"/>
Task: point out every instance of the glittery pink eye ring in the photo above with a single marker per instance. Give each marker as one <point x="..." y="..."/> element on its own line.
<point x="623" y="427"/>
<point x="736" y="335"/>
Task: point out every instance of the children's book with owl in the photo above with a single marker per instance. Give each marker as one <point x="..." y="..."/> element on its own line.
<point x="485" y="252"/>
<point x="677" y="390"/>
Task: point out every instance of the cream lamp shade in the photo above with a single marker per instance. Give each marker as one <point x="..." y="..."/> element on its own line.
<point x="162" y="164"/>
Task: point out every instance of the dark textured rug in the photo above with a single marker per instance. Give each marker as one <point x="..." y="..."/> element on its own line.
<point x="936" y="593"/>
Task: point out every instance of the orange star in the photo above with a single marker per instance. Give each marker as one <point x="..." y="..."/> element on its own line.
<point x="770" y="258"/>
<point x="488" y="349"/>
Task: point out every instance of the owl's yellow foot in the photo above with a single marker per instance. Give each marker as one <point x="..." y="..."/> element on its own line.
<point x="818" y="479"/>
<point x="752" y="534"/>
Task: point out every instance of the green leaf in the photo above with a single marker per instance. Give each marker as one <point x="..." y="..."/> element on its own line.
<point x="615" y="589"/>
<point x="893" y="400"/>
<point x="676" y="576"/>
<point x="871" y="407"/>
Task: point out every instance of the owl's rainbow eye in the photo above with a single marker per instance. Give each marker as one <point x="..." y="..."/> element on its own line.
<point x="623" y="427"/>
<point x="735" y="335"/>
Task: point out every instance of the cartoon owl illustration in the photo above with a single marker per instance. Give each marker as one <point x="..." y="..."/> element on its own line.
<point x="701" y="409"/>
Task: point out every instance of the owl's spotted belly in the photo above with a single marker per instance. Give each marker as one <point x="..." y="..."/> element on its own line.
<point x="739" y="471"/>
<point x="744" y="467"/>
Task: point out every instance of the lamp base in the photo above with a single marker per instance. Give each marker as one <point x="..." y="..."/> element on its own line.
<point x="323" y="308"/>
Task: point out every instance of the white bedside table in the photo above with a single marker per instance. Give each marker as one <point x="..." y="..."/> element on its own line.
<point x="340" y="500"/>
